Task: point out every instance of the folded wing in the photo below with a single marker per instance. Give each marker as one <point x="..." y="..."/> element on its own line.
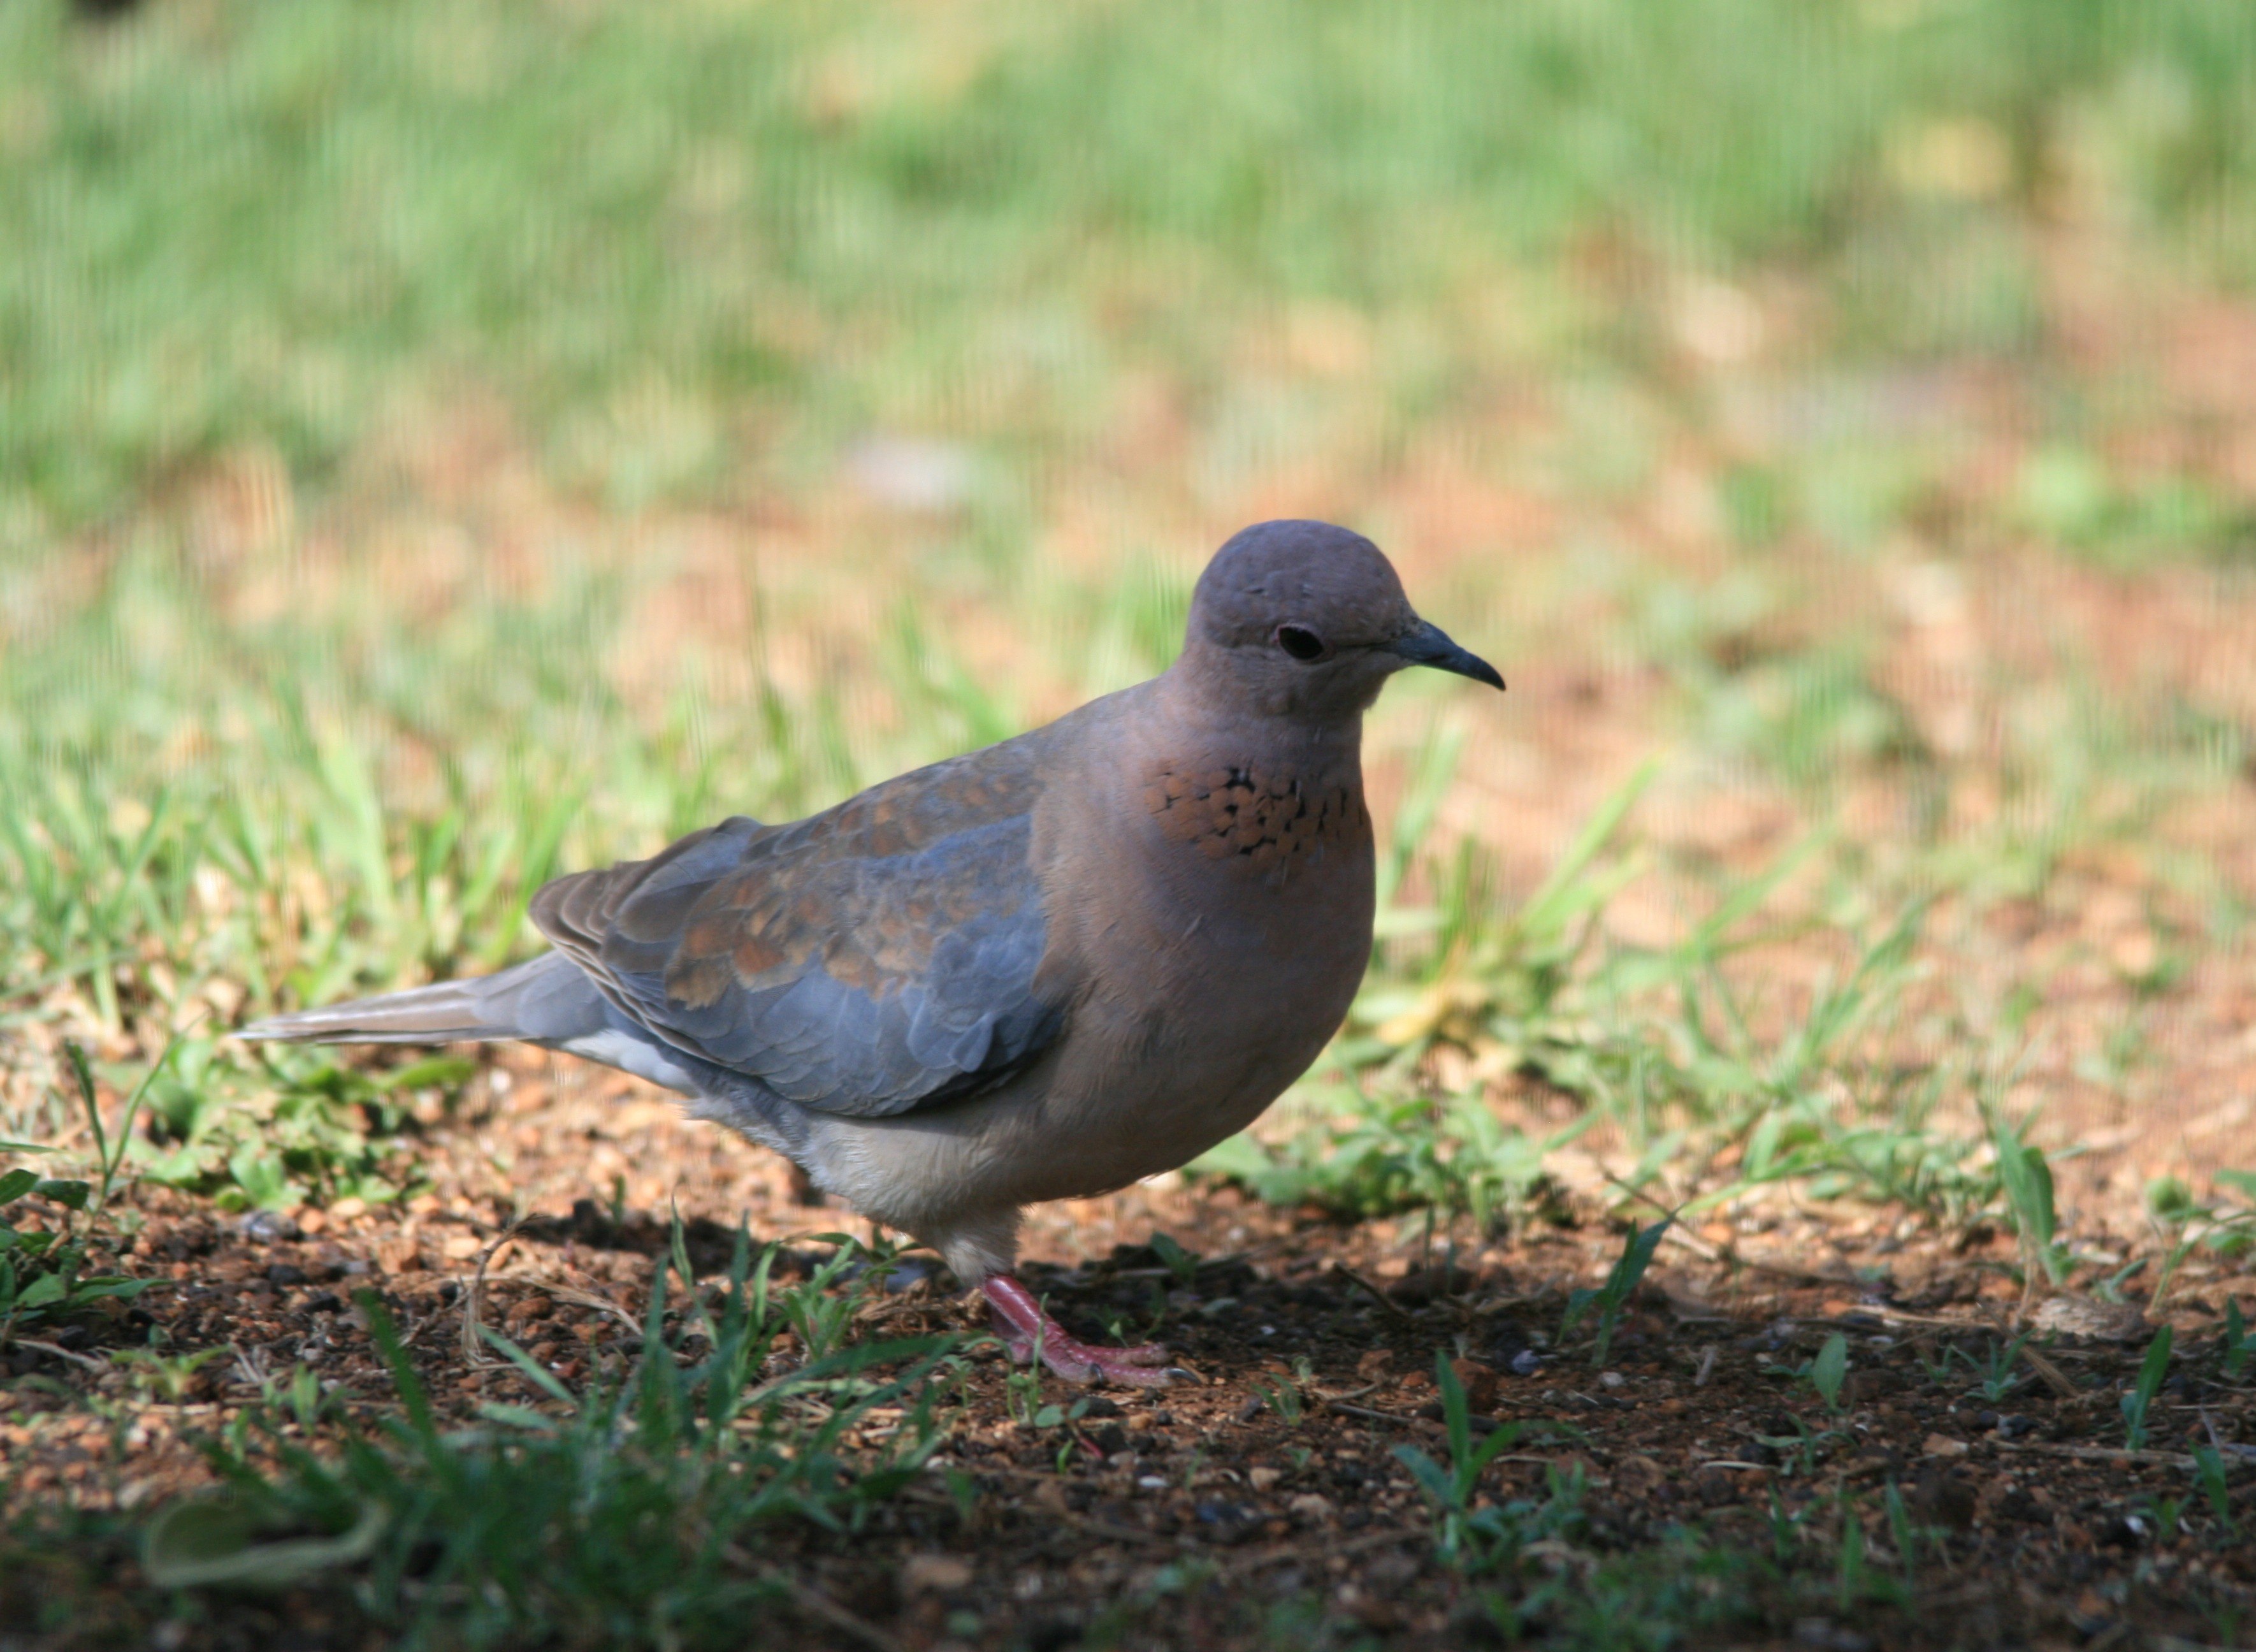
<point x="877" y="957"/>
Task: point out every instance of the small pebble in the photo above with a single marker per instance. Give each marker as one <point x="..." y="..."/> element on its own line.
<point x="268" y="1227"/>
<point x="1526" y="1363"/>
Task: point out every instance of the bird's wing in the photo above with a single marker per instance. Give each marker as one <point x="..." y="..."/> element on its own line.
<point x="868" y="960"/>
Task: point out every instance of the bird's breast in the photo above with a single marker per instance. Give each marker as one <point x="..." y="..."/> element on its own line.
<point x="1253" y="898"/>
<point x="1271" y="822"/>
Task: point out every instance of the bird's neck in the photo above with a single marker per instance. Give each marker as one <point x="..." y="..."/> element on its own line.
<point x="1208" y="717"/>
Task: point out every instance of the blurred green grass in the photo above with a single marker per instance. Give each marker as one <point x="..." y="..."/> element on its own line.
<point x="680" y="236"/>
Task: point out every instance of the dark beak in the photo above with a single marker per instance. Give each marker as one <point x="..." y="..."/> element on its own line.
<point x="1426" y="643"/>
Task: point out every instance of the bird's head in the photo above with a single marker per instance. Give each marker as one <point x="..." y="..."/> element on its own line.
<point x="1307" y="620"/>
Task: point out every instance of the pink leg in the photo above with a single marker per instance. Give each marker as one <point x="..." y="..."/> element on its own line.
<point x="1026" y="1327"/>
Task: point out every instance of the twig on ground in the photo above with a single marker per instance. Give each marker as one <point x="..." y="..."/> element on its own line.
<point x="60" y="1352"/>
<point x="2097" y="1453"/>
<point x="811" y="1599"/>
<point x="1379" y="1416"/>
<point x="1380" y="1297"/>
<point x="473" y="1351"/>
<point x="1110" y="1529"/>
<point x="1324" y="1549"/>
<point x="1728" y="1256"/>
<point x="2054" y="1378"/>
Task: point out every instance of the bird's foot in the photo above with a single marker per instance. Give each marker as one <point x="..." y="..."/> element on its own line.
<point x="1027" y="1332"/>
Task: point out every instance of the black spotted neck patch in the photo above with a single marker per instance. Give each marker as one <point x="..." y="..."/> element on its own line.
<point x="1266" y="819"/>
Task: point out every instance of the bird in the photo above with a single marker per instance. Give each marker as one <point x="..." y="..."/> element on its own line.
<point x="1043" y="970"/>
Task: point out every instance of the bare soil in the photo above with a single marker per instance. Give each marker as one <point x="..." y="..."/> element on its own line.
<point x="2049" y="1530"/>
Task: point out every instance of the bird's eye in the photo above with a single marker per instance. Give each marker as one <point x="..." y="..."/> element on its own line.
<point x="1299" y="642"/>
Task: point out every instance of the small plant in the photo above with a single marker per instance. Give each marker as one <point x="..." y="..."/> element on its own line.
<point x="1610" y="1298"/>
<point x="1800" y="1451"/>
<point x="1826" y="1373"/>
<point x="1469" y="1535"/>
<point x="2151" y="1370"/>
<point x="1903" y="1532"/>
<point x="1852" y="1586"/>
<point x="1183" y="1264"/>
<point x="1995" y="1374"/>
<point x="1055" y="1415"/>
<point x="1022" y="1392"/>
<point x="2209" y="1473"/>
<point x="2238" y="1343"/>
<point x="1376" y="1154"/>
<point x="817" y="1308"/>
<point x="296" y="1129"/>
<point x="1829" y="1371"/>
<point x="157" y="1373"/>
<point x="1023" y="1399"/>
<point x="2167" y="1513"/>
<point x="2226" y="1230"/>
<point x="42" y="1269"/>
<point x="1281" y="1397"/>
<point x="2026" y="1179"/>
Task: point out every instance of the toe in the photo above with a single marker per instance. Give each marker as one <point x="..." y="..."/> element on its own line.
<point x="1142" y="1376"/>
<point x="1075" y="1364"/>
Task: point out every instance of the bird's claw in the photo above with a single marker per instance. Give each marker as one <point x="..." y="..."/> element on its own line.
<point x="1027" y="1332"/>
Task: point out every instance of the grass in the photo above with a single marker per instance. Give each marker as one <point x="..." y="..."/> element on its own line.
<point x="1674" y="1586"/>
<point x="652" y="234"/>
<point x="44" y="1274"/>
<point x="641" y="1511"/>
<point x="449" y="443"/>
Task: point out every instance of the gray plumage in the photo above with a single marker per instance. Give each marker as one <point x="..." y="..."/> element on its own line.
<point x="1039" y="971"/>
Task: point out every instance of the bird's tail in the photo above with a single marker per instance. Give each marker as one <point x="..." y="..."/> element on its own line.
<point x="545" y="998"/>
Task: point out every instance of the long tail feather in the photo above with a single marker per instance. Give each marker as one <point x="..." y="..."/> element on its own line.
<point x="547" y="998"/>
<point x="438" y="1014"/>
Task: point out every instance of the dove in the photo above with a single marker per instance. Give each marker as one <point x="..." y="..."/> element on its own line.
<point x="1044" y="969"/>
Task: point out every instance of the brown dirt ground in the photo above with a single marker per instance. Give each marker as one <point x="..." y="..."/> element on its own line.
<point x="2050" y="1540"/>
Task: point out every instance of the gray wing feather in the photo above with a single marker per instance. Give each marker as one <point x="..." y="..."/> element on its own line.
<point x="876" y="958"/>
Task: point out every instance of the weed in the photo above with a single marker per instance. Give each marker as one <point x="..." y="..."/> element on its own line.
<point x="1022" y="1390"/>
<point x="1283" y="1400"/>
<point x="2237" y="1343"/>
<point x="1830" y="1370"/>
<point x="1908" y="1538"/>
<point x="299" y="1129"/>
<point x="818" y="1310"/>
<point x="156" y="1374"/>
<point x="2166" y="1512"/>
<point x="42" y="1269"/>
<point x="1612" y="1297"/>
<point x="1470" y="1535"/>
<point x="1853" y="1586"/>
<point x="1996" y="1376"/>
<point x="1182" y="1264"/>
<point x="2222" y="1228"/>
<point x="1376" y="1156"/>
<point x="1801" y="1453"/>
<point x="2027" y="1182"/>
<point x="2151" y="1370"/>
<point x="2209" y="1473"/>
